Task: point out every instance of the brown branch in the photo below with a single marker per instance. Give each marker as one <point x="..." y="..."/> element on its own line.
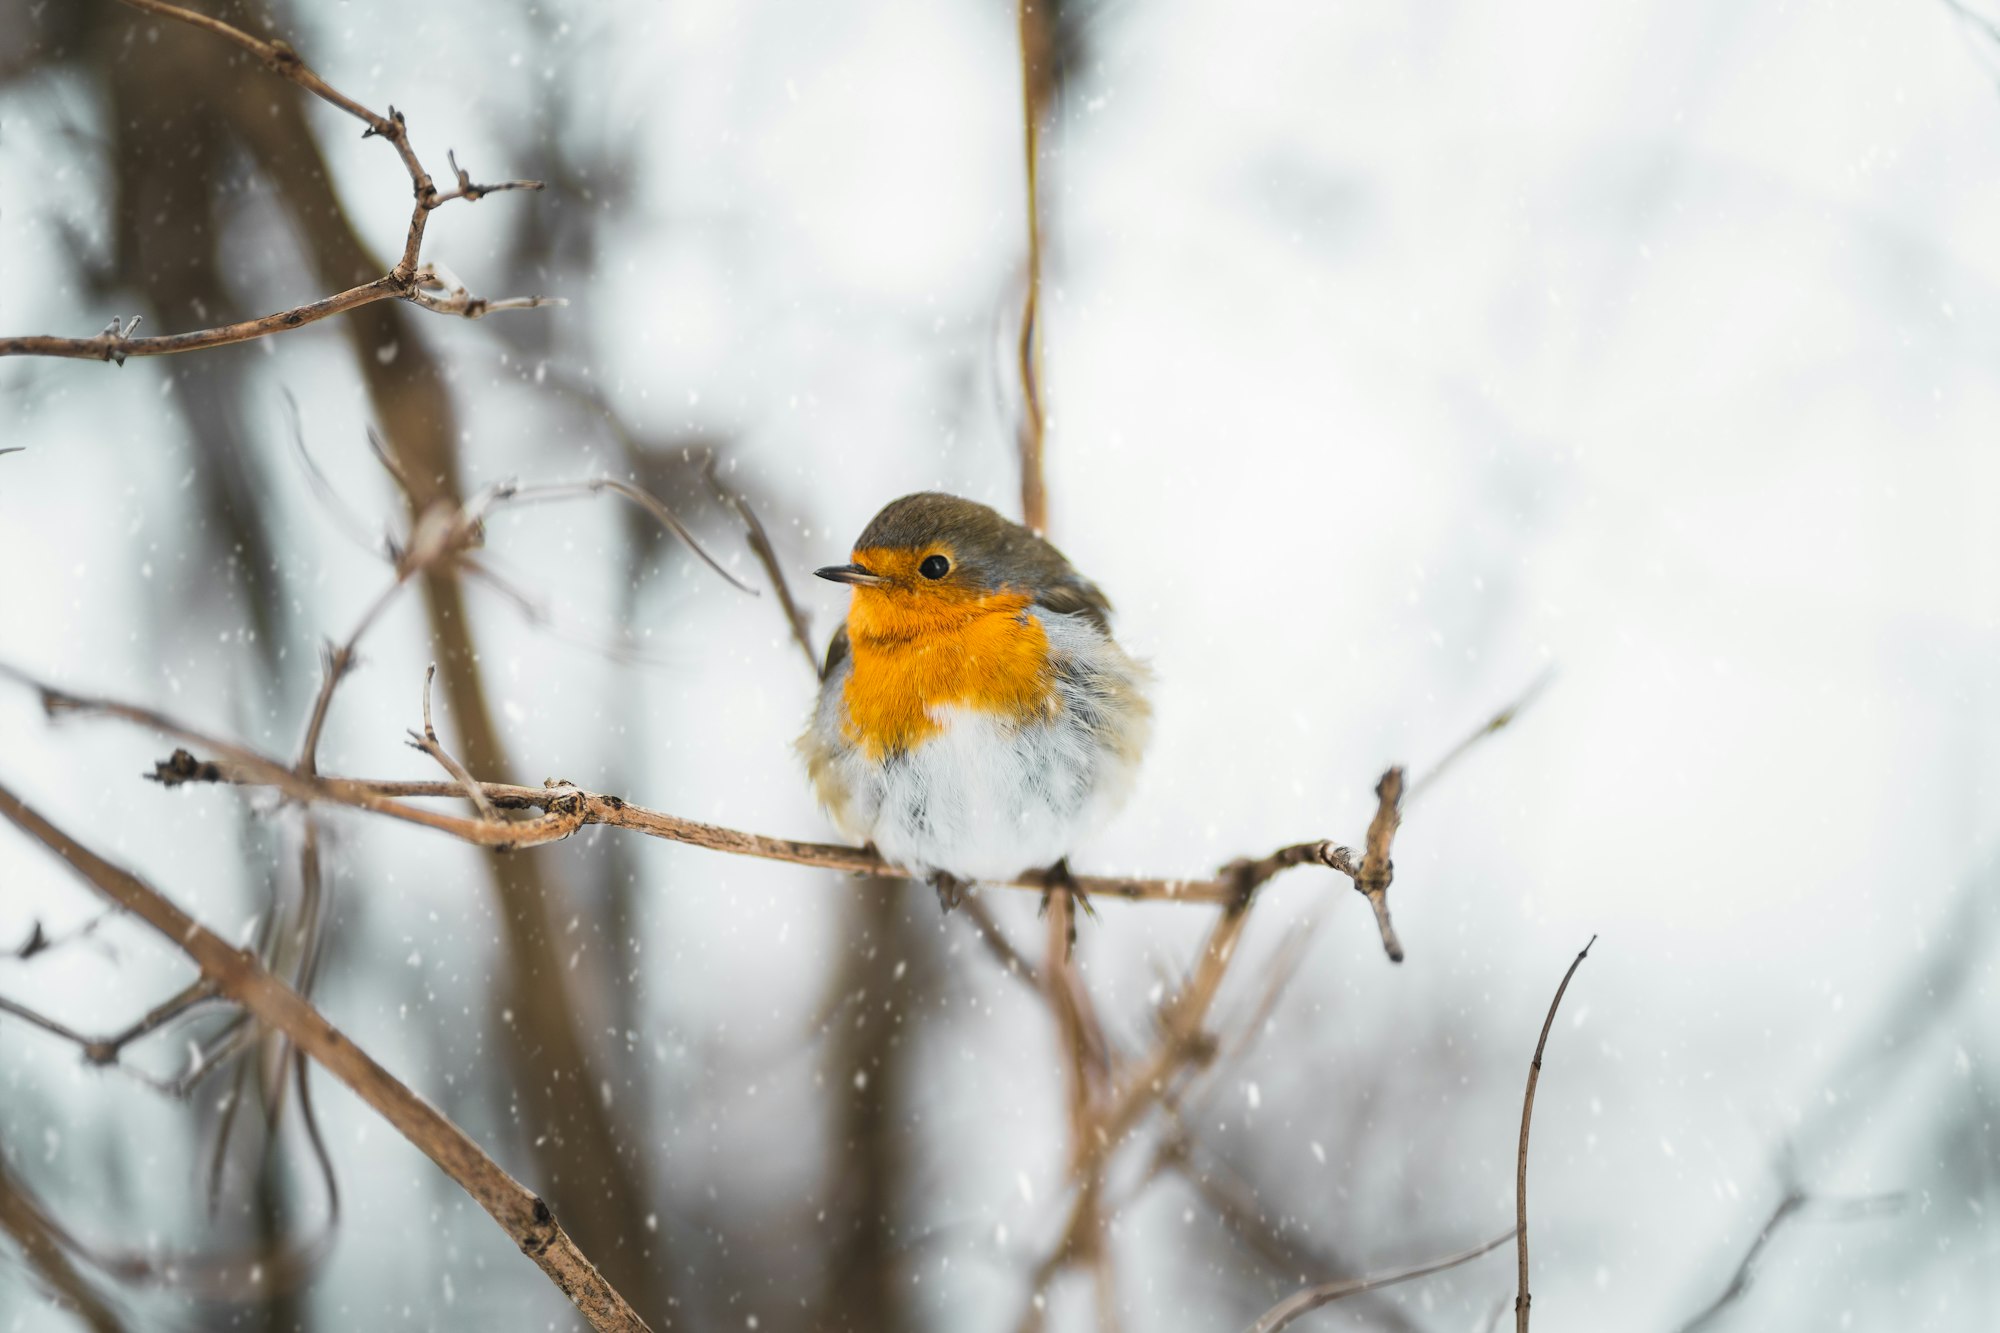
<point x="105" y="1050"/>
<point x="1376" y="869"/>
<point x="567" y="808"/>
<point x="646" y="500"/>
<point x="428" y="742"/>
<point x="239" y="975"/>
<point x="1312" y="1298"/>
<point x="1100" y="1122"/>
<point x="407" y="280"/>
<point x="1522" y="1297"/>
<point x="1037" y="93"/>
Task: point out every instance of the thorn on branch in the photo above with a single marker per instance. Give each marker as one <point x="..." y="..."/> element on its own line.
<point x="111" y="342"/>
<point x="37" y="941"/>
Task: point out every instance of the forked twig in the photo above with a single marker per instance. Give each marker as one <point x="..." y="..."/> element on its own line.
<point x="239" y="975"/>
<point x="428" y="742"/>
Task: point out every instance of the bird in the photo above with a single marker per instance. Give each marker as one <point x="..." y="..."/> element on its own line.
<point x="976" y="719"/>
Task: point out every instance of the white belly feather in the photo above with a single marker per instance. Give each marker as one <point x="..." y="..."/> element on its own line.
<point x="988" y="797"/>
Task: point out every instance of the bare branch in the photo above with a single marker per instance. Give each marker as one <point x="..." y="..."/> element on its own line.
<point x="49" y="1025"/>
<point x="456" y="300"/>
<point x="239" y="975"/>
<point x="1012" y="960"/>
<point x="1498" y="722"/>
<point x="1792" y="1204"/>
<point x="1312" y="1298"/>
<point x="474" y="193"/>
<point x="567" y="808"/>
<point x="194" y="995"/>
<point x="1522" y="1297"/>
<point x="767" y="556"/>
<point x="428" y="742"/>
<point x="115" y="344"/>
<point x="1038" y="86"/>
<point x="646" y="500"/>
<point x="1376" y="869"/>
<point x="406" y="281"/>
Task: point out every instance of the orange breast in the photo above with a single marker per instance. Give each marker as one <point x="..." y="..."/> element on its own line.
<point x="912" y="658"/>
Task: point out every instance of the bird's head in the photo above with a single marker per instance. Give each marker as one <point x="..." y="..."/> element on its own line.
<point x="929" y="560"/>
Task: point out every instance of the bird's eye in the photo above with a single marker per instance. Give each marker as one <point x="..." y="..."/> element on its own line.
<point x="934" y="567"/>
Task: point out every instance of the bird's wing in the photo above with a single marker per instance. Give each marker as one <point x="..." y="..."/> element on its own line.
<point x="836" y="653"/>
<point x="1078" y="597"/>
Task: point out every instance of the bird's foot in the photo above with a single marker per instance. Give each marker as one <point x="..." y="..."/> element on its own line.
<point x="1058" y="878"/>
<point x="950" y="889"/>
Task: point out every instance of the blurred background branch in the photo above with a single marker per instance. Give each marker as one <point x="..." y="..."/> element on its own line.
<point x="237" y="974"/>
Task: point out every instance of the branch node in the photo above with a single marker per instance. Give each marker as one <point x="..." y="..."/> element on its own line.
<point x="182" y="767"/>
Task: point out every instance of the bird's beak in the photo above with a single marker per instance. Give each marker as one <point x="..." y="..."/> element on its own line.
<point x="854" y="574"/>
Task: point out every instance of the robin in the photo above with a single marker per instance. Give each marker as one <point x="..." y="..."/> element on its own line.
<point x="976" y="719"/>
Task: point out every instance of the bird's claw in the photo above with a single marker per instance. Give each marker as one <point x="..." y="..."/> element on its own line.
<point x="950" y="890"/>
<point x="1056" y="877"/>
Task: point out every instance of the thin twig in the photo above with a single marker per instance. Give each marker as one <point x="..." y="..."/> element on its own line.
<point x="1522" y="1297"/>
<point x="1498" y="722"/>
<point x="44" y="1247"/>
<point x="105" y="1050"/>
<point x="1236" y="1203"/>
<point x="428" y="742"/>
<point x="567" y="808"/>
<point x="1012" y="960"/>
<point x="1312" y="1298"/>
<point x="1037" y="93"/>
<point x="646" y="500"/>
<point x="49" y="1025"/>
<point x="239" y="975"/>
<point x="760" y="546"/>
